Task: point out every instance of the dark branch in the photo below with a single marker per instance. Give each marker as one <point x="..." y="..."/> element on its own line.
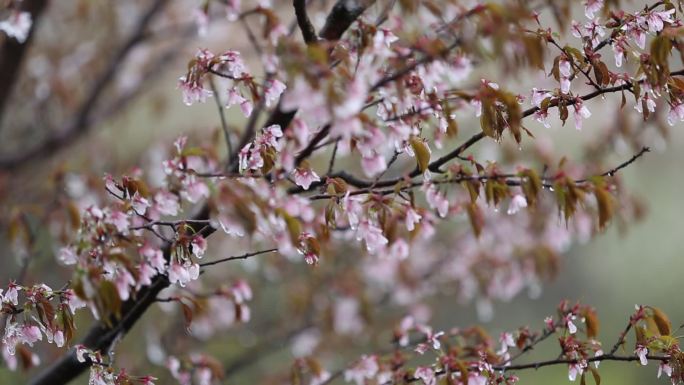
<point x="80" y="124"/>
<point x="343" y="14"/>
<point x="101" y="337"/>
<point x="12" y="53"/>
<point x="308" y="30"/>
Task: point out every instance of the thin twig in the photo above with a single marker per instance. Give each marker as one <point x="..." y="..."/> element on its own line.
<point x="222" y="115"/>
<point x="237" y="257"/>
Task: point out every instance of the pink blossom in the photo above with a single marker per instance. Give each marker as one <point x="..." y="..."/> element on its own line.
<point x="270" y="136"/>
<point x="576" y="29"/>
<point x="399" y="249"/>
<point x="246" y="108"/>
<point x="573" y="370"/>
<point x="244" y="313"/>
<point x="17" y="25"/>
<point x="581" y="111"/>
<point x="119" y="220"/>
<point x="645" y="100"/>
<point x="641" y="351"/>
<point x="139" y="204"/>
<point x="637" y="34"/>
<point x="250" y="158"/>
<point x="517" y="202"/>
<point x="145" y="275"/>
<point x="242" y="291"/>
<point x="58" y="338"/>
<point x="487" y="83"/>
<point x="675" y="114"/>
<point x="154" y="257"/>
<point x="304" y="177"/>
<point x="232" y="9"/>
<point x="193" y="91"/>
<point x="550" y="325"/>
<point x="232" y="61"/>
<point x="12" y="295"/>
<point x="353" y="208"/>
<point x="234" y="97"/>
<point x="407" y="323"/>
<point x="73" y="301"/>
<point x="372" y="235"/>
<point x="478" y="379"/>
<point x="436" y="200"/>
<point x="565" y="71"/>
<point x="201" y="21"/>
<point x="373" y="164"/>
<point x="476" y="103"/>
<point x="412" y="217"/>
<point x="425" y="374"/>
<point x="110" y="183"/>
<point x="538" y="96"/>
<point x="598" y="353"/>
<point x="195" y="190"/>
<point x="67" y="255"/>
<point x="353" y="100"/>
<point x="346" y="316"/>
<point x="231" y="226"/>
<point x="198" y="245"/>
<point x="542" y="117"/>
<point x="664" y="367"/>
<point x="506" y="340"/>
<point x="9" y="359"/>
<point x="591" y="7"/>
<point x="182" y="274"/>
<point x="656" y="19"/>
<point x="273" y="89"/>
<point x="81" y="351"/>
<point x="30" y="334"/>
<point x="384" y="37"/>
<point x="365" y="368"/>
<point x="123" y="281"/>
<point x="166" y="203"/>
<point x="147" y="380"/>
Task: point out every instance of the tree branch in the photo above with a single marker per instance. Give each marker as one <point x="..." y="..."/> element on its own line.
<point x="308" y="30"/>
<point x="12" y="53"/>
<point x="80" y="124"/>
<point x="100" y="337"/>
<point x="238" y="257"/>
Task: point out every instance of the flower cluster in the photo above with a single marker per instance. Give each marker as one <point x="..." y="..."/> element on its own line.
<point x="43" y="312"/>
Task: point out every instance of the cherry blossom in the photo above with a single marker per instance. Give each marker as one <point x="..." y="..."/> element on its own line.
<point x="656" y="19"/>
<point x="364" y="369"/>
<point x="193" y="91"/>
<point x="580" y="112"/>
<point x="425" y="374"/>
<point x="591" y="7"/>
<point x="517" y="202"/>
<point x="664" y="367"/>
<point x="641" y="351"/>
<point x="565" y="70"/>
<point x="675" y="114"/>
<point x="304" y="177"/>
<point x="17" y="25"/>
<point x="182" y="273"/>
